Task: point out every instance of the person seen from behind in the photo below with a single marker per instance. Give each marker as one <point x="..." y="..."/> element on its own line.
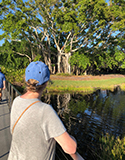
<point x="34" y="125"/>
<point x="2" y="83"/>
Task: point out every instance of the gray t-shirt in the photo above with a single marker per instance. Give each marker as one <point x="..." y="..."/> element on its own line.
<point x="33" y="136"/>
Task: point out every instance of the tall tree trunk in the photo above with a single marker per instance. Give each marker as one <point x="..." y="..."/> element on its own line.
<point x="49" y="55"/>
<point x="85" y="73"/>
<point x="64" y="63"/>
<point x="47" y="59"/>
<point x="49" y="63"/>
<point x="58" y="63"/>
<point x="77" y="71"/>
<point x="53" y="69"/>
<point x="68" y="67"/>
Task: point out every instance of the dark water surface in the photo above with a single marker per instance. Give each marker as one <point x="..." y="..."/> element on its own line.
<point x="86" y="117"/>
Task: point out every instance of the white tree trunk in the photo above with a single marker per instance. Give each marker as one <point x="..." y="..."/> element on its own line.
<point x="58" y="63"/>
<point x="49" y="64"/>
<point x="68" y="67"/>
<point x="53" y="70"/>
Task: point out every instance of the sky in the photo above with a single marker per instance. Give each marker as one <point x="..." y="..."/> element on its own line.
<point x="1" y="32"/>
<point x="1" y="41"/>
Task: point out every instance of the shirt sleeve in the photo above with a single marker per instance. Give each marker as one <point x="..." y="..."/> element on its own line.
<point x="4" y="77"/>
<point x="51" y="124"/>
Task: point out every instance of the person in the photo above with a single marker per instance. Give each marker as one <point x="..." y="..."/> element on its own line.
<point x="2" y="83"/>
<point x="36" y="130"/>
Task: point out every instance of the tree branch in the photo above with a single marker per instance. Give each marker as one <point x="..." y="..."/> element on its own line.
<point x="21" y="54"/>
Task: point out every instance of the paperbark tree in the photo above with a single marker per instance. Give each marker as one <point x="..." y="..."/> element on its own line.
<point x="19" y="21"/>
<point x="117" y="8"/>
<point x="84" y="24"/>
<point x="58" y="29"/>
<point x="11" y="54"/>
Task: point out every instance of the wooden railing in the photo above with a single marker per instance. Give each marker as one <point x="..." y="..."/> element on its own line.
<point x="12" y="92"/>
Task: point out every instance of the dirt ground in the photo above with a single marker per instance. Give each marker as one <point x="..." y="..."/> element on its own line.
<point x="87" y="77"/>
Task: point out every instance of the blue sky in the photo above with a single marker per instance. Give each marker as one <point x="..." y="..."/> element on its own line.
<point x="1" y="41"/>
<point x="1" y="32"/>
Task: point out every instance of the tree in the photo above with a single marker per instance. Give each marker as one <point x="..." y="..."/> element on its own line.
<point x="20" y="24"/>
<point x="10" y="55"/>
<point x="79" y="61"/>
<point x="117" y="9"/>
<point x="83" y="24"/>
<point x="58" y="29"/>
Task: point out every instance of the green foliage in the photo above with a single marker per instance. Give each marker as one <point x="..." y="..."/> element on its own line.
<point x="66" y="18"/>
<point x="13" y="75"/>
<point x="10" y="58"/>
<point x="111" y="59"/>
<point x="118" y="11"/>
<point x="84" y="86"/>
<point x="79" y="61"/>
<point x="120" y="58"/>
<point x="37" y="58"/>
<point x="111" y="148"/>
<point x="66" y="26"/>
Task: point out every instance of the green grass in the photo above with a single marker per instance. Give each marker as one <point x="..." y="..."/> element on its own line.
<point x="17" y="77"/>
<point x="87" y="85"/>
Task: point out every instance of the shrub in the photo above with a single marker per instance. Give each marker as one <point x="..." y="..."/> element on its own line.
<point x="112" y="148"/>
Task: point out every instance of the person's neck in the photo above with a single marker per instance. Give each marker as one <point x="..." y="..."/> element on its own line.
<point x="31" y="95"/>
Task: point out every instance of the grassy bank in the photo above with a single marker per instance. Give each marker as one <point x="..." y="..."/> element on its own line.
<point x="86" y="86"/>
<point x="70" y="83"/>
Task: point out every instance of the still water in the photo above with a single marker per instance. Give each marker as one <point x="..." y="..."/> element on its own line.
<point x="86" y="117"/>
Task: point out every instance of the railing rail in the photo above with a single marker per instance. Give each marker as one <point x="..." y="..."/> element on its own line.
<point x="12" y="93"/>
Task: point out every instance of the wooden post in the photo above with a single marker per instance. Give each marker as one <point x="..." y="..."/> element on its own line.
<point x="12" y="97"/>
<point x="9" y="95"/>
<point x="16" y="94"/>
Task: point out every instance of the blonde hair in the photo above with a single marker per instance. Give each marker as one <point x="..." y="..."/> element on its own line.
<point x="31" y="85"/>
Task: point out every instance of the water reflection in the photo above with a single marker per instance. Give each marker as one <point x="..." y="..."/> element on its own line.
<point x="86" y="117"/>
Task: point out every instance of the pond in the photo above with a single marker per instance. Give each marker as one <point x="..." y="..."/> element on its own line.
<point x="86" y="117"/>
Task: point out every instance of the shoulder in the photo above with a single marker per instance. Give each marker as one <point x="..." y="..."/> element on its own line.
<point x="47" y="107"/>
<point x="1" y="74"/>
<point x="16" y="99"/>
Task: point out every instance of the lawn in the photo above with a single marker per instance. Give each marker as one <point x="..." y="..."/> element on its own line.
<point x="85" y="85"/>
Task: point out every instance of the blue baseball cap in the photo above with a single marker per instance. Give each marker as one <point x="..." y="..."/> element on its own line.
<point x="38" y="71"/>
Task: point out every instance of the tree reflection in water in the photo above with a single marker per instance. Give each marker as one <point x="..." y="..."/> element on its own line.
<point x="86" y="117"/>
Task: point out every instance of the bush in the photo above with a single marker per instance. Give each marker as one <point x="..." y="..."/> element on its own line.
<point x="13" y="75"/>
<point x="112" y="148"/>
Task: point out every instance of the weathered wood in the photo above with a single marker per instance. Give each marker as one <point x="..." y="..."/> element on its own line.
<point x="12" y="93"/>
<point x="5" y="136"/>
